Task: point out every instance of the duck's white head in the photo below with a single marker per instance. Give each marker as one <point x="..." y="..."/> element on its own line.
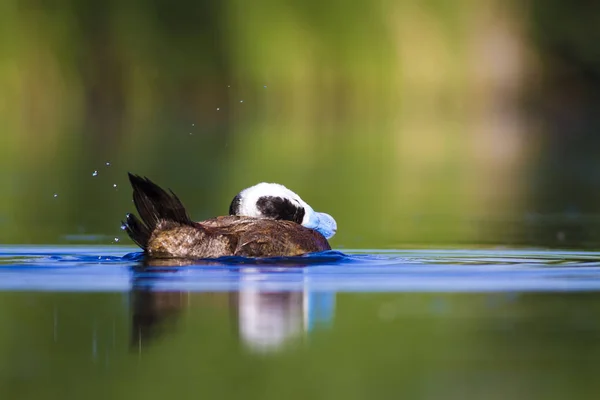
<point x="275" y="201"/>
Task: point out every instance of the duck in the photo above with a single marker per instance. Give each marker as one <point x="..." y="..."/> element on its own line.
<point x="265" y="220"/>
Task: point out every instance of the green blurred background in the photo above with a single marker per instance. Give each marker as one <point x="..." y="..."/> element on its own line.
<point x="414" y="123"/>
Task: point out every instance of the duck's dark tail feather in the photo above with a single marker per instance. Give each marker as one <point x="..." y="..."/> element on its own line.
<point x="154" y="205"/>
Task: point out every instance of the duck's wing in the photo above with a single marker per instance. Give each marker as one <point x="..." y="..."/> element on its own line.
<point x="268" y="238"/>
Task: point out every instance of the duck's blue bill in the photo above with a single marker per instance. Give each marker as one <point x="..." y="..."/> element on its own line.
<point x="322" y="223"/>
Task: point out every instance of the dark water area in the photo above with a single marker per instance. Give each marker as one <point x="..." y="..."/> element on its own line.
<point x="94" y="322"/>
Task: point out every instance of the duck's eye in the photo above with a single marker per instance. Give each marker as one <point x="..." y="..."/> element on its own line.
<point x="280" y="208"/>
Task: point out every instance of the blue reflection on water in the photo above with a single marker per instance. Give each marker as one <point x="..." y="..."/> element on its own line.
<point x="274" y="300"/>
<point x="96" y="268"/>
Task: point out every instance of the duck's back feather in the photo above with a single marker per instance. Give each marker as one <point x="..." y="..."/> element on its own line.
<point x="235" y="236"/>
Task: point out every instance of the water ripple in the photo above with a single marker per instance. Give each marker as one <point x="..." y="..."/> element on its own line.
<point x="91" y="268"/>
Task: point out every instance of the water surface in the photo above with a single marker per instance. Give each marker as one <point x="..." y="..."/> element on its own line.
<point x="93" y="322"/>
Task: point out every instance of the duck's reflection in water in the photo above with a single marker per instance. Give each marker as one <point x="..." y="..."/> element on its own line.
<point x="264" y="321"/>
<point x="267" y="320"/>
<point x="154" y="314"/>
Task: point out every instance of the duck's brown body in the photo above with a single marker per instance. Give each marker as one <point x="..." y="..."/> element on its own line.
<point x="234" y="236"/>
<point x="166" y="231"/>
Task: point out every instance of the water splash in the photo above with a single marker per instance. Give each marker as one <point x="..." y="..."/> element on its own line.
<point x="95" y="173"/>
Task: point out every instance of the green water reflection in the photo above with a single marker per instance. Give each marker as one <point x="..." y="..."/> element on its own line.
<point x="154" y="345"/>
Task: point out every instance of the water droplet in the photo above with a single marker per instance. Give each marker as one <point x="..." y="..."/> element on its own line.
<point x="108" y="164"/>
<point x="115" y="185"/>
<point x="218" y="108"/>
<point x="55" y="195"/>
<point x="95" y="173"/>
<point x="123" y="227"/>
<point x="117" y="239"/>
